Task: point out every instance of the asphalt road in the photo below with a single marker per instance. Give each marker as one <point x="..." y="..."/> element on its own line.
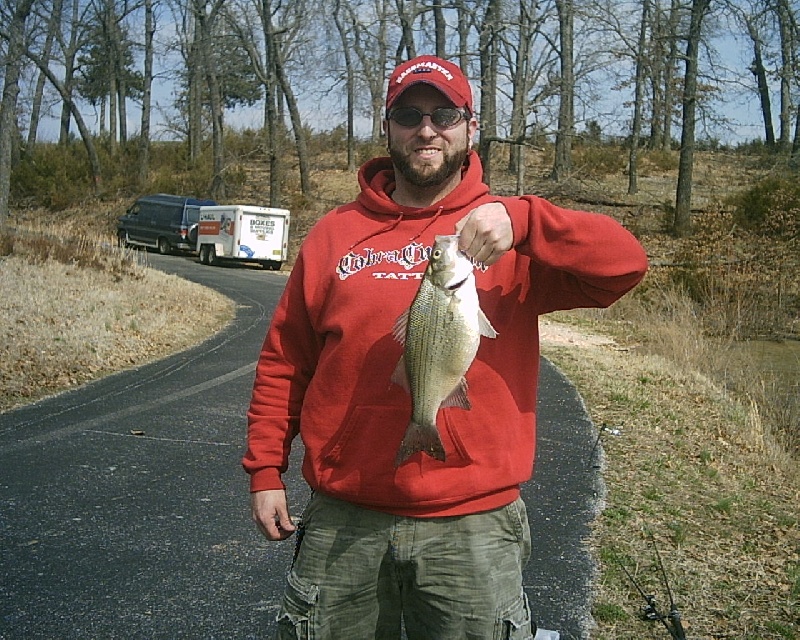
<point x="124" y="510"/>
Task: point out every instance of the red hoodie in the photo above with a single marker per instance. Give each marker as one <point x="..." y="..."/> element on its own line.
<point x="325" y="367"/>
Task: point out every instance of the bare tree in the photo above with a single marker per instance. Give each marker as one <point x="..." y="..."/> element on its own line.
<point x="53" y="24"/>
<point x="8" y="107"/>
<point x="638" y="99"/>
<point x="488" y="46"/>
<point x="147" y="93"/>
<point x="520" y="86"/>
<point x="787" y="42"/>
<point x="760" y="72"/>
<point x="205" y="18"/>
<point x="70" y="47"/>
<point x="406" y="13"/>
<point x="566" y="109"/>
<point x="370" y="44"/>
<point x="683" y="196"/>
<point x="343" y="28"/>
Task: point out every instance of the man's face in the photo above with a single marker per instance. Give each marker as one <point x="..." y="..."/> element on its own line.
<point x="427" y="155"/>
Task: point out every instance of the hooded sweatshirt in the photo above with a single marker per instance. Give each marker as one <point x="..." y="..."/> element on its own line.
<point x="325" y="368"/>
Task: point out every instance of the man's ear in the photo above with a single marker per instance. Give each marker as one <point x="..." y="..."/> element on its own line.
<point x="472" y="129"/>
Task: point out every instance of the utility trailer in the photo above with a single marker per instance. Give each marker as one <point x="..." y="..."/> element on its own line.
<point x="245" y="233"/>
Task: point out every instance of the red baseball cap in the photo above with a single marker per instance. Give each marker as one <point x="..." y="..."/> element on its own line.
<point x="441" y="74"/>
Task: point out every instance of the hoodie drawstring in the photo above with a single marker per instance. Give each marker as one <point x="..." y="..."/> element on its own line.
<point x="430" y="222"/>
<point x="384" y="229"/>
<point x="391" y="225"/>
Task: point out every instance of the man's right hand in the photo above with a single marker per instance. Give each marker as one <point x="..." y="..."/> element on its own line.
<point x="271" y="514"/>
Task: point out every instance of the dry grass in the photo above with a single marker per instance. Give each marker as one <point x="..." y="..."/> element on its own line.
<point x="700" y="473"/>
<point x="75" y="311"/>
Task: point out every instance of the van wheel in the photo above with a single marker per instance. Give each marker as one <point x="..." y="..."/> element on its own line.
<point x="122" y="240"/>
<point x="163" y="246"/>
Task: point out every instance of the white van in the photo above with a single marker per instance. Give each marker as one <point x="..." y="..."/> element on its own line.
<point x="243" y="232"/>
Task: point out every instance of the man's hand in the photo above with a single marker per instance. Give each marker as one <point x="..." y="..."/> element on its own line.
<point x="485" y="233"/>
<point x="271" y="514"/>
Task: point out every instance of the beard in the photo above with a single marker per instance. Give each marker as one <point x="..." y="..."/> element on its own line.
<point x="428" y="176"/>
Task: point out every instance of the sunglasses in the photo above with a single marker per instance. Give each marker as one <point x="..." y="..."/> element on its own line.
<point x="443" y="117"/>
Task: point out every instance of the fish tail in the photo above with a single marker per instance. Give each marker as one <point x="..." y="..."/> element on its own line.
<point x="423" y="438"/>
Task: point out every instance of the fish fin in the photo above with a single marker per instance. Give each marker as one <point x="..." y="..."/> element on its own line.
<point x="400" y="326"/>
<point x="420" y="438"/>
<point x="485" y="327"/>
<point x="458" y="397"/>
<point x="400" y="375"/>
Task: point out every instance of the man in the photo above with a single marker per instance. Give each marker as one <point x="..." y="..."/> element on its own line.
<point x="438" y="544"/>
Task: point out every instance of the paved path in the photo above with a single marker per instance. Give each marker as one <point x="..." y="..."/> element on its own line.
<point x="107" y="534"/>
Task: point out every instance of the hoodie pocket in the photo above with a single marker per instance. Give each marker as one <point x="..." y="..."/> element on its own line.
<point x="362" y="456"/>
<point x="363" y="451"/>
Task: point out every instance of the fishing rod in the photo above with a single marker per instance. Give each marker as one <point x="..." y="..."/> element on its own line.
<point x="674" y="615"/>
<point x="650" y="612"/>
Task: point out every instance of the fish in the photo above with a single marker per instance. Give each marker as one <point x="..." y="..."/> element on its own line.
<point x="440" y="334"/>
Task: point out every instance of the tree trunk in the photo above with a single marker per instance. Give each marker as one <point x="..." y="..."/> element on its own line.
<point x="566" y="114"/>
<point x="8" y="106"/>
<point x="488" y="46"/>
<point x="36" y="106"/>
<point x="297" y="126"/>
<point x="669" y="75"/>
<point x="463" y="34"/>
<point x="407" y="32"/>
<point x="440" y="29"/>
<point x="786" y="74"/>
<point x="70" y="52"/>
<point x="655" y="78"/>
<point x="350" y="87"/>
<point x="194" y="106"/>
<point x="519" y="112"/>
<point x="758" y="70"/>
<point x="633" y="164"/>
<point x="683" y="196"/>
<point x="147" y="96"/>
<point x="205" y="22"/>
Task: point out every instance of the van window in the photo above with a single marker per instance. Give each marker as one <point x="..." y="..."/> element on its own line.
<point x="193" y="214"/>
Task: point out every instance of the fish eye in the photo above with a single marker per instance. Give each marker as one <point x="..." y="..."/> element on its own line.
<point x="437" y="253"/>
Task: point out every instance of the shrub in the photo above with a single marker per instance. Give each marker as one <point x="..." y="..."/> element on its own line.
<point x="599" y="160"/>
<point x="770" y="207"/>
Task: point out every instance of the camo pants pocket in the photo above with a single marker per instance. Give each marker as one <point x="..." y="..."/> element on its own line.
<point x="296" y="617"/>
<point x="514" y="622"/>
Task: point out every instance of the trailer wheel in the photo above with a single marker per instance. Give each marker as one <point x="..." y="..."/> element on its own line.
<point x="211" y="255"/>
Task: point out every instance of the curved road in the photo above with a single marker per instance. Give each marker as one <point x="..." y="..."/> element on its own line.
<point x="124" y="510"/>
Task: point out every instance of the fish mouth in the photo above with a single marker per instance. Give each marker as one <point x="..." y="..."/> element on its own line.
<point x="456" y="286"/>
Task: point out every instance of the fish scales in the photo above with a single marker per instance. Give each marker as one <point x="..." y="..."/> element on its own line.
<point x="441" y="334"/>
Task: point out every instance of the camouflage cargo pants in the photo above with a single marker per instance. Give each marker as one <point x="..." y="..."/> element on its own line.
<point x="362" y="574"/>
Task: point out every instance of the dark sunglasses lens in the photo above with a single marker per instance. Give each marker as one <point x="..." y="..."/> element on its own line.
<point x="407" y="116"/>
<point x="446" y="117"/>
<point x="443" y="117"/>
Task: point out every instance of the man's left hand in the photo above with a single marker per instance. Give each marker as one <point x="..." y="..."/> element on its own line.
<point x="485" y="233"/>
